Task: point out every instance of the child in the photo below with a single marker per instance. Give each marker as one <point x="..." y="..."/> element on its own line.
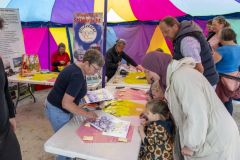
<point x="157" y="132"/>
<point x="155" y="92"/>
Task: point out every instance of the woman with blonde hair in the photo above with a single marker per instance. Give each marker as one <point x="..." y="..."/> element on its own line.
<point x="218" y="23"/>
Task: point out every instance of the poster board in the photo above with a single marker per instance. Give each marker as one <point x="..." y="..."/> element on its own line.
<point x="30" y="65"/>
<point x="11" y="39"/>
<point x="88" y="29"/>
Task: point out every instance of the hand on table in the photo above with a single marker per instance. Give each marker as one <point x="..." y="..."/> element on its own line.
<point x="143" y="119"/>
<point x="62" y="62"/>
<point x="140" y="68"/>
<point x="91" y="116"/>
<point x="186" y="151"/>
<point x="141" y="132"/>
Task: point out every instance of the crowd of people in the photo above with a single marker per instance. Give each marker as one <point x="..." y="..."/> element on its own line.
<point x="187" y="113"/>
<point x="195" y="94"/>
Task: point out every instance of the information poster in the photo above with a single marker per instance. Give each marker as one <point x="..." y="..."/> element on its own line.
<point x="11" y="39"/>
<point x="87" y="29"/>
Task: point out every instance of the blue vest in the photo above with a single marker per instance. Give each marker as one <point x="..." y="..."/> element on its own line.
<point x="206" y="55"/>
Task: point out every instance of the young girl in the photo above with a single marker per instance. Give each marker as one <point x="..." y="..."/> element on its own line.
<point x="155" y="92"/>
<point x="157" y="132"/>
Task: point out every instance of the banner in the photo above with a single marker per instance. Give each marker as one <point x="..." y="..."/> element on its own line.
<point x="87" y="29"/>
<point x="11" y="39"/>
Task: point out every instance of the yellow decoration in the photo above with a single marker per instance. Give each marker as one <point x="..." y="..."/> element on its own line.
<point x="122" y="8"/>
<point x="60" y="68"/>
<point x="158" y="41"/>
<point x="124" y="108"/>
<point x="40" y="76"/>
<point x="44" y="76"/>
<point x="131" y="78"/>
<point x="60" y="35"/>
<point x="30" y="65"/>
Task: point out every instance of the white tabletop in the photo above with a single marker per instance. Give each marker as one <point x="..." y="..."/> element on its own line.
<point x="67" y="143"/>
<point x="28" y="80"/>
<point x="16" y="79"/>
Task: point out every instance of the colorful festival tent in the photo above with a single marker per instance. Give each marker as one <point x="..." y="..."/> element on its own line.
<point x="48" y="22"/>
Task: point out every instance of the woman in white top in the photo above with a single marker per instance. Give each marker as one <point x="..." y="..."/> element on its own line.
<point x="206" y="130"/>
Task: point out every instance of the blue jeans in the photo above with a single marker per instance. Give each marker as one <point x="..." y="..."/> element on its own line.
<point x="58" y="118"/>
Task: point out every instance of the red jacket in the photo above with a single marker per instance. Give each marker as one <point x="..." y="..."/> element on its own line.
<point x="56" y="58"/>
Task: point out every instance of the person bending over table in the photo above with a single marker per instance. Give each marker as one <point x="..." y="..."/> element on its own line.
<point x="70" y="87"/>
<point x="60" y="58"/>
<point x="114" y="57"/>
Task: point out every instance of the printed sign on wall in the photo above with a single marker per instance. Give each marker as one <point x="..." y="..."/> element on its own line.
<point x="11" y="39"/>
<point x="87" y="33"/>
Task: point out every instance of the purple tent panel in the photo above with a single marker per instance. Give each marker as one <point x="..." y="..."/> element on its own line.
<point x="64" y="10"/>
<point x="138" y="38"/>
<point x="43" y="51"/>
<point x="202" y="24"/>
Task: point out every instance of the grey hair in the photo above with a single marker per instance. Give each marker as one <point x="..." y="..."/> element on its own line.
<point x="121" y="41"/>
<point x="93" y="56"/>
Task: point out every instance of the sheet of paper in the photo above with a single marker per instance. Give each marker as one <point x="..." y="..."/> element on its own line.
<point x="123" y="108"/>
<point x="130" y="94"/>
<point x="111" y="125"/>
<point x="98" y="96"/>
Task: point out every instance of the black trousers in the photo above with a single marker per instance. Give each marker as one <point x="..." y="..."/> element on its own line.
<point x="10" y="149"/>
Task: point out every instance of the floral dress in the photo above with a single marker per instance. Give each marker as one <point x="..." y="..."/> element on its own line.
<point x="158" y="143"/>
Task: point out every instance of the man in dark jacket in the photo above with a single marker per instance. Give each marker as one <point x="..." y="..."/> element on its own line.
<point x="189" y="41"/>
<point x="114" y="57"/>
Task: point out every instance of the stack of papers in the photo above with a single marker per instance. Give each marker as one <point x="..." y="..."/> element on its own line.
<point x="111" y="125"/>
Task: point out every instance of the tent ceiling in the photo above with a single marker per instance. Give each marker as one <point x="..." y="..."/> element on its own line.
<point x="61" y="11"/>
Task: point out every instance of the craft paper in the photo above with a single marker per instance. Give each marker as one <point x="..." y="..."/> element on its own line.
<point x="98" y="96"/>
<point x="110" y="125"/>
<point x="98" y="137"/>
<point x="123" y="108"/>
<point x="132" y="78"/>
<point x="50" y="77"/>
<point x="130" y="94"/>
<point x="45" y="77"/>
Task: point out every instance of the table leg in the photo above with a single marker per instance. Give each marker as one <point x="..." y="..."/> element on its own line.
<point x="30" y="91"/>
<point x="19" y="92"/>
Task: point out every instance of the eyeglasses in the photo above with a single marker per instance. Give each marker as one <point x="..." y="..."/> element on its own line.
<point x="95" y="68"/>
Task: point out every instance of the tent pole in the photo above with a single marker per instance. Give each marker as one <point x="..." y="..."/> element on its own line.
<point x="104" y="40"/>
<point x="49" y="66"/>
<point x="69" y="44"/>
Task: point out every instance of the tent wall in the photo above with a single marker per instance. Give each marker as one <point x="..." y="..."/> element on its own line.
<point x="141" y="39"/>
